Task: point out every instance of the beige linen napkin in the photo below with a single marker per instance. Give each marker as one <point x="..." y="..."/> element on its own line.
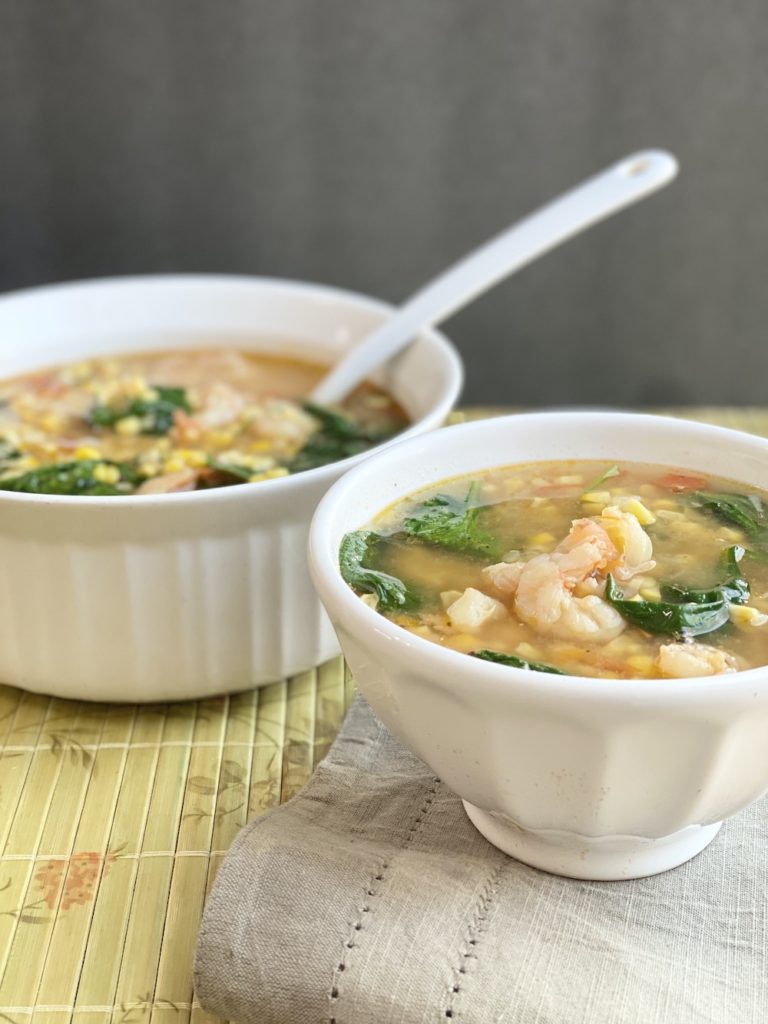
<point x="371" y="899"/>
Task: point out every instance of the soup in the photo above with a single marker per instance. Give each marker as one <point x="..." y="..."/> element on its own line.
<point x="622" y="571"/>
<point x="164" y="422"/>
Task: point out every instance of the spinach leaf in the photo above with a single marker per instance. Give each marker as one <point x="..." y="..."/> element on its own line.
<point x="157" y="414"/>
<point x="610" y="472"/>
<point x="515" y="662"/>
<point x="336" y="438"/>
<point x="453" y="523"/>
<point x="734" y="588"/>
<point x="684" y="618"/>
<point x="231" y="469"/>
<point x="393" y="594"/>
<point x="742" y="510"/>
<point x="73" y="478"/>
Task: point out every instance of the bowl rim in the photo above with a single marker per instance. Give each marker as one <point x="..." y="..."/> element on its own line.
<point x="491" y="677"/>
<point x="282" y="485"/>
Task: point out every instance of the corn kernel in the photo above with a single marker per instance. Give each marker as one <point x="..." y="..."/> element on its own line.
<point x="52" y="423"/>
<point x="370" y="599"/>
<point x="447" y="597"/>
<point x="221" y="438"/>
<point x="596" y="498"/>
<point x="650" y="592"/>
<point x="174" y="464"/>
<point x="87" y="452"/>
<point x="105" y="474"/>
<point x="128" y="426"/>
<point x="643" y="515"/>
<point x="465" y="642"/>
<point x="664" y="503"/>
<point x="569" y="479"/>
<point x="193" y="457"/>
<point x="269" y="474"/>
<point x="744" y="615"/>
<point x="513" y="484"/>
<point x="262" y="445"/>
<point x="540" y="539"/>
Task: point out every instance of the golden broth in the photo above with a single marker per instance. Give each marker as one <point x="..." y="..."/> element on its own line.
<point x="545" y="600"/>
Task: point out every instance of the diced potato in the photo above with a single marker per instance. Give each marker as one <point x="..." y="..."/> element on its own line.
<point x="474" y="608"/>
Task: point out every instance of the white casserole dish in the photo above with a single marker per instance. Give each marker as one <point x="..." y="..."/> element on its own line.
<point x="181" y="595"/>
<point x="592" y="778"/>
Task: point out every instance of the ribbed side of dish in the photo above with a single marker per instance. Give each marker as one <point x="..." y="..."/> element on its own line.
<point x="159" y="621"/>
<point x="586" y="766"/>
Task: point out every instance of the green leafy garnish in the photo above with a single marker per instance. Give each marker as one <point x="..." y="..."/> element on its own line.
<point x="453" y="523"/>
<point x="336" y="438"/>
<point x="156" y="415"/>
<point x="684" y="618"/>
<point x="393" y="594"/>
<point x="610" y="472"/>
<point x="73" y="478"/>
<point x="745" y="511"/>
<point x="514" y="662"/>
<point x="734" y="588"/>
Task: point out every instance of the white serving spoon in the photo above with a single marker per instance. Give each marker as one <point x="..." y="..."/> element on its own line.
<point x="631" y="179"/>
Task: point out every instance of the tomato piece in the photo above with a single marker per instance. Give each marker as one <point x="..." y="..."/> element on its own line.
<point x="682" y="482"/>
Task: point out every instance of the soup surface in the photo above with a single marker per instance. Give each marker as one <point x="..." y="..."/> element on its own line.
<point x="161" y="422"/>
<point x="625" y="571"/>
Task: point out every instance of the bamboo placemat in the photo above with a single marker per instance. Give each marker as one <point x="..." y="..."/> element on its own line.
<point x="114" y="820"/>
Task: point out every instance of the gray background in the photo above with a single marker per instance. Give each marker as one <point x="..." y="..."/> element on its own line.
<point x="369" y="143"/>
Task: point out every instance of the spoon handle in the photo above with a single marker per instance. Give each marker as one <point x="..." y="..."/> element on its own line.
<point x="606" y="193"/>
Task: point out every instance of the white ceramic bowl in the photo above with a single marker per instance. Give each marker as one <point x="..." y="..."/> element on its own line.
<point x="177" y="596"/>
<point x="592" y="778"/>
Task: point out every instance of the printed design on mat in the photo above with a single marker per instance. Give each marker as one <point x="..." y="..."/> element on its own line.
<point x="231" y="784"/>
<point x="63" y="883"/>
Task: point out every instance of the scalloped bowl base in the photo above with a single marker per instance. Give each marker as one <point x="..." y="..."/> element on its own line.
<point x="601" y="858"/>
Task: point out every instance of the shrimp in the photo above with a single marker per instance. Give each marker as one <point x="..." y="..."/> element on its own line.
<point x="586" y="550"/>
<point x="221" y="406"/>
<point x="687" y="660"/>
<point x="544" y="600"/>
<point x="543" y="588"/>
